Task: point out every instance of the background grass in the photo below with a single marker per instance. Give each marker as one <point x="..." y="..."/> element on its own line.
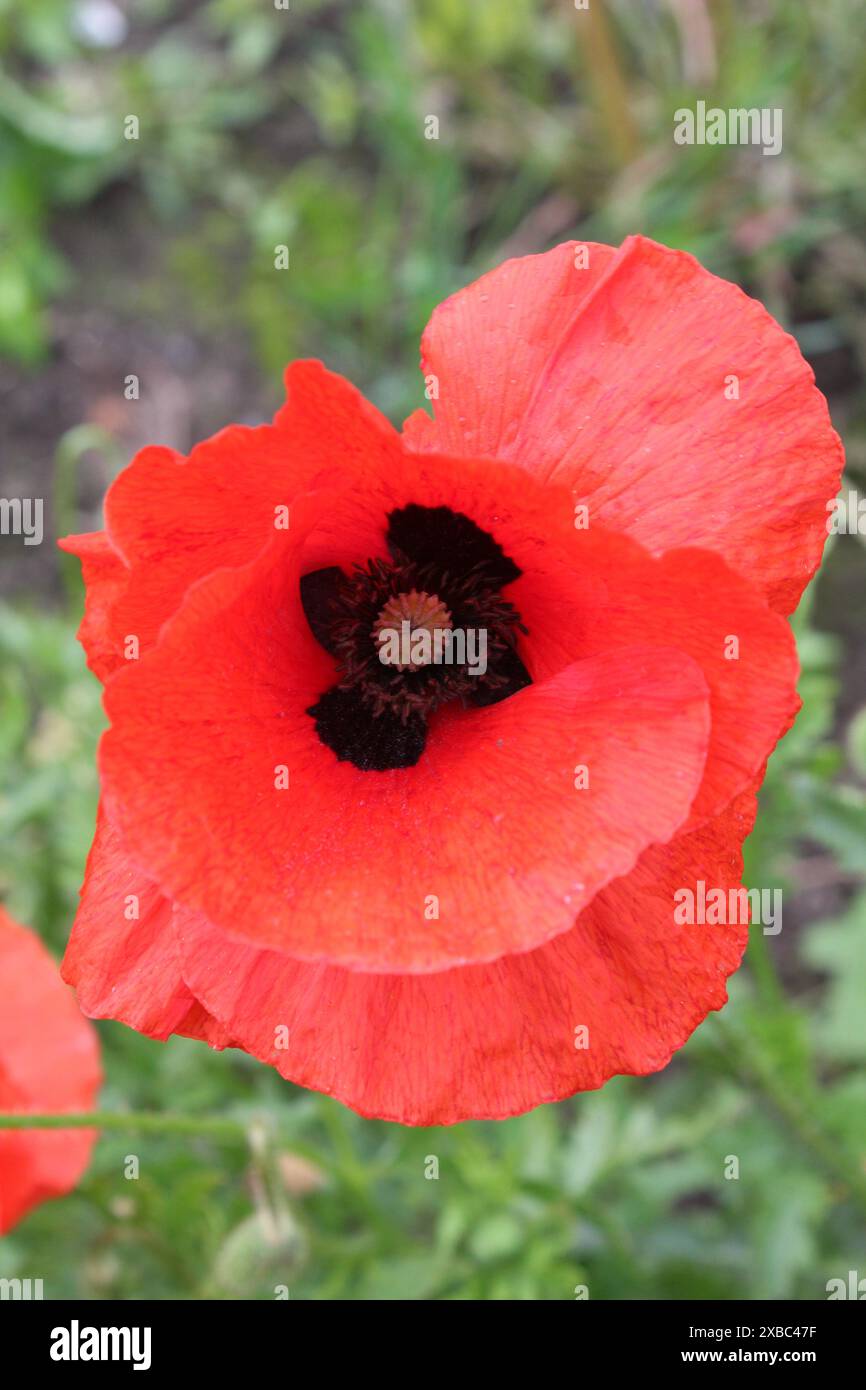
<point x="155" y="257"/>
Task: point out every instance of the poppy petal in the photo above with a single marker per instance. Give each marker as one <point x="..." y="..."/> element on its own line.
<point x="488" y="346"/>
<point x="121" y="958"/>
<point x="172" y="520"/>
<point x="601" y="591"/>
<point x="49" y="1062"/>
<point x="116" y="955"/>
<point x="670" y="403"/>
<point x="619" y="993"/>
<point x="105" y="580"/>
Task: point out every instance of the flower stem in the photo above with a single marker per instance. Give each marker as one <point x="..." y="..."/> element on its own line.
<point x="143" y="1121"/>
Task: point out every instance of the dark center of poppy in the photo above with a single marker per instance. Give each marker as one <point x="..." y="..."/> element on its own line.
<point x="409" y="634"/>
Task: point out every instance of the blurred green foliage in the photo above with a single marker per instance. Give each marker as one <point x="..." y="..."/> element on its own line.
<point x="306" y="128"/>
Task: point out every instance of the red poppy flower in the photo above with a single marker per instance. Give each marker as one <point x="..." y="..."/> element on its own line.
<point x="432" y="893"/>
<point x="49" y="1062"/>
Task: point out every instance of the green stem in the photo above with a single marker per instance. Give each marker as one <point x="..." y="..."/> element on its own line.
<point x="144" y="1122"/>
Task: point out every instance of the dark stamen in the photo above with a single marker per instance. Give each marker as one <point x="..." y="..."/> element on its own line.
<point x="376" y="714"/>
